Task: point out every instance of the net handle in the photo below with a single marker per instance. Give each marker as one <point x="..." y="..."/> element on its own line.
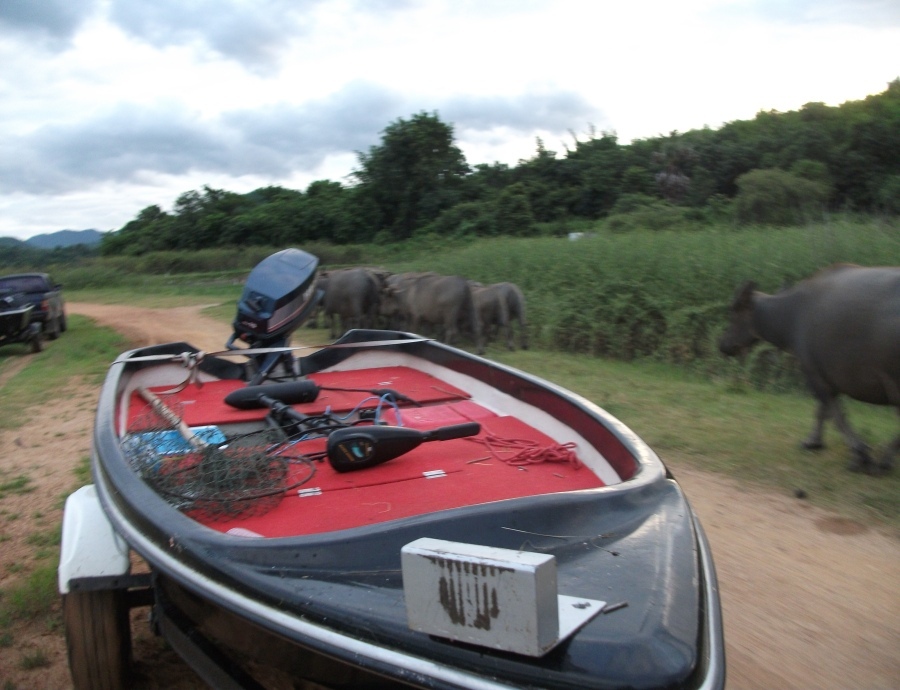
<point x="169" y="415"/>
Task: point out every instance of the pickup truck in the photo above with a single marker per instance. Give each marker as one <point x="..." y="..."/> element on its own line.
<point x="46" y="296"/>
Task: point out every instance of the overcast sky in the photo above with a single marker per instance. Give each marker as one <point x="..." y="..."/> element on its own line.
<point x="109" y="106"/>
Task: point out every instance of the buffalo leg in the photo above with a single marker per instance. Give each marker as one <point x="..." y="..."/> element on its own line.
<point x="504" y="322"/>
<point x="832" y="408"/>
<point x="862" y="458"/>
<point x="814" y="440"/>
<point x="887" y="459"/>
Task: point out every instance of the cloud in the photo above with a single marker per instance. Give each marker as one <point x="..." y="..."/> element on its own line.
<point x="53" y="21"/>
<point x="554" y="111"/>
<point x="348" y="120"/>
<point x="254" y="33"/>
<point x="114" y="145"/>
<point x="127" y="141"/>
<point x="863" y="13"/>
<point x="251" y="32"/>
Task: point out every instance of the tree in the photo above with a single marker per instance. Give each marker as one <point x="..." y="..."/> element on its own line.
<point x="150" y="231"/>
<point x="513" y="212"/>
<point x="777" y="197"/>
<point x="673" y="161"/>
<point x="414" y="175"/>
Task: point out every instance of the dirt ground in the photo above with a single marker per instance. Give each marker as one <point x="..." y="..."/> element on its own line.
<point x="811" y="600"/>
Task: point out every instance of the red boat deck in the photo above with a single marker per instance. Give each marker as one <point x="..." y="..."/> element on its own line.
<point x="507" y="459"/>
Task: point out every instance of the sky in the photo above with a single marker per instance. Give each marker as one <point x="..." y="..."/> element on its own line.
<point x="110" y="106"/>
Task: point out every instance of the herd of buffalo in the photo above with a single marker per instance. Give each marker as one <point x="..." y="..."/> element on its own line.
<point x="449" y="306"/>
<point x="842" y="324"/>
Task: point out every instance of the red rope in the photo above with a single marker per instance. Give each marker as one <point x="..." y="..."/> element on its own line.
<point x="530" y="452"/>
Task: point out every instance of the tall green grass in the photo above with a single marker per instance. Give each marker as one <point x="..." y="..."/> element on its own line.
<point x="661" y="295"/>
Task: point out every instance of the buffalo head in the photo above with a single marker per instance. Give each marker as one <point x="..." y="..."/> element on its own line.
<point x="740" y="334"/>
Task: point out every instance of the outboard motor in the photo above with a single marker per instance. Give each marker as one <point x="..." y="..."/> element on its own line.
<point x="280" y="294"/>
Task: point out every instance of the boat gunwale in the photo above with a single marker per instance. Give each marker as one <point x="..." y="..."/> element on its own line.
<point x="649" y="470"/>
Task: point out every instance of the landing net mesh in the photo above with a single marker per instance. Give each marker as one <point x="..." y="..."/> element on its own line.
<point x="217" y="478"/>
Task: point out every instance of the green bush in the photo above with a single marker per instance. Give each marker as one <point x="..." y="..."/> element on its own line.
<point x="776" y="197"/>
<point x="466" y="219"/>
<point x="641" y="212"/>
<point x="888" y="196"/>
<point x="512" y="212"/>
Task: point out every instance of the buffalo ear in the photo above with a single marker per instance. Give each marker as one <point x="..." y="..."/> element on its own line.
<point x="743" y="296"/>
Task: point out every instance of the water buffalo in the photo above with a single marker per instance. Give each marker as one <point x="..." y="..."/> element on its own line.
<point x="353" y="294"/>
<point x="394" y="310"/>
<point x="843" y="326"/>
<point x="498" y="305"/>
<point x="432" y="299"/>
<point x="321" y="284"/>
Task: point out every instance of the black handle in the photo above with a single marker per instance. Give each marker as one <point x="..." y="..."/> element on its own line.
<point x="445" y="433"/>
<point x="289" y="393"/>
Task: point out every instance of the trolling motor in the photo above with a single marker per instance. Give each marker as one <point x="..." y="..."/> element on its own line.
<point x="359" y="447"/>
<point x="348" y="448"/>
<point x="279" y="295"/>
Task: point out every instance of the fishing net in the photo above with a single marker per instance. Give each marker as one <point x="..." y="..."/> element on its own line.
<point x="212" y="476"/>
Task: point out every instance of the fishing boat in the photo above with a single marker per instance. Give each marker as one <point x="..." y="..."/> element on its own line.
<point x="383" y="511"/>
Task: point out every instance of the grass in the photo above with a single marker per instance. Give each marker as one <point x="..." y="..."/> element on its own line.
<point x="20" y="484"/>
<point x="659" y="294"/>
<point x="84" y="351"/>
<point x="34" y="660"/>
<point x="33" y="597"/>
<point x="160" y="292"/>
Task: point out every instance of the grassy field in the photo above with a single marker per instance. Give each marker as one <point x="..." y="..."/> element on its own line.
<point x="86" y="353"/>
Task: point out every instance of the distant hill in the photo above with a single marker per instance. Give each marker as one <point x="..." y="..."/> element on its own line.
<point x="65" y="238"/>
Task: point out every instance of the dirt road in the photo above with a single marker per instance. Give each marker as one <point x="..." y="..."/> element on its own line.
<point x="811" y="600"/>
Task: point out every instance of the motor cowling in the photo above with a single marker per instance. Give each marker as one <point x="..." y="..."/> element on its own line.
<point x="279" y="295"/>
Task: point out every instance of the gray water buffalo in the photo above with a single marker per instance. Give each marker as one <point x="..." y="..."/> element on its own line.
<point x="321" y="284"/>
<point x="353" y="295"/>
<point x="393" y="310"/>
<point x="498" y="305"/>
<point x="843" y="326"/>
<point x="430" y="299"/>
